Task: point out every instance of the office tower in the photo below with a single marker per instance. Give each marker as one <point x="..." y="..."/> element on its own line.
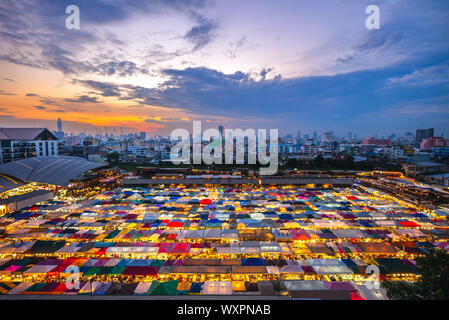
<point x="221" y="130"/>
<point x="59" y="125"/>
<point x="422" y="134"/>
<point x="143" y="136"/>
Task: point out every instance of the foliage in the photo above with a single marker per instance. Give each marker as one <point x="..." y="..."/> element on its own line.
<point x="433" y="283"/>
<point x="113" y="157"/>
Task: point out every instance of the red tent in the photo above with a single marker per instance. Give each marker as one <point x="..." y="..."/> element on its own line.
<point x="355" y="296"/>
<point x="138" y="270"/>
<point x="206" y="201"/>
<point x="165" y="247"/>
<point x="409" y="224"/>
<point x="172" y="236"/>
<point x="181" y="248"/>
<point x="300" y="235"/>
<point x="101" y="252"/>
<point x="174" y="224"/>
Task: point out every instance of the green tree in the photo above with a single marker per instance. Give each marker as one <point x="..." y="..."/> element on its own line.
<point x="318" y="161"/>
<point x="433" y="283"/>
<point x="113" y="157"/>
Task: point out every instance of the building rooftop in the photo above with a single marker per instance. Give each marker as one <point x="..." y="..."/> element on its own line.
<point x="429" y="164"/>
<point x="56" y="170"/>
<point x="22" y="133"/>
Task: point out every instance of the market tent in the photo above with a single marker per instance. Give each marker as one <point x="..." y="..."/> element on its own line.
<point x="89" y="288"/>
<point x="348" y="233"/>
<point x="142" y="288"/>
<point x="184" y="287"/>
<point x="20" y="288"/>
<point x="253" y="262"/>
<point x="217" y="288"/>
<point x="340" y="285"/>
<point x="103" y="288"/>
<point x="164" y="288"/>
<point x="371" y="294"/>
<point x="299" y="285"/>
<point x="143" y="271"/>
<point x="291" y="269"/>
<point x="377" y="248"/>
<point x="39" y="269"/>
<point x="397" y="266"/>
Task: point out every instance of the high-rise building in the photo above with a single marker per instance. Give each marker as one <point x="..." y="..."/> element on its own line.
<point x="59" y="133"/>
<point x="221" y="130"/>
<point x="143" y="136"/>
<point x="328" y="137"/>
<point x="422" y="134"/>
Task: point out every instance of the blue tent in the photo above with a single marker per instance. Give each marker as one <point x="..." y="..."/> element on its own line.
<point x="253" y="262"/>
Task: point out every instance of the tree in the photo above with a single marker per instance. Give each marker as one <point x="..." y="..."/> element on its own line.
<point x="113" y="157"/>
<point x="318" y="161"/>
<point x="433" y="283"/>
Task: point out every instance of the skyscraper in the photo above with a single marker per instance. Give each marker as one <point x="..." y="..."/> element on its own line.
<point x="422" y="134"/>
<point x="59" y="125"/>
<point x="221" y="130"/>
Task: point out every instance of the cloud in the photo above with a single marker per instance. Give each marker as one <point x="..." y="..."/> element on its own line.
<point x="49" y="101"/>
<point x="425" y="76"/>
<point x="83" y="99"/>
<point x="40" y="107"/>
<point x="121" y="69"/>
<point x="6" y="93"/>
<point x="202" y="33"/>
<point x="105" y="89"/>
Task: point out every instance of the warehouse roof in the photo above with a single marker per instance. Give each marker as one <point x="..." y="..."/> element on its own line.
<point x="8" y="183"/>
<point x="57" y="170"/>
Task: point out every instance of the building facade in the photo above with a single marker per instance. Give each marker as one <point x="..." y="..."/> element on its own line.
<point x="22" y="143"/>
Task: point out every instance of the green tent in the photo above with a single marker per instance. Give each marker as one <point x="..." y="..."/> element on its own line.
<point x="166" y="288"/>
<point x="92" y="271"/>
<point x="112" y="235"/>
<point x="36" y="287"/>
<point x="157" y="263"/>
<point x="117" y="270"/>
<point x="104" y="270"/>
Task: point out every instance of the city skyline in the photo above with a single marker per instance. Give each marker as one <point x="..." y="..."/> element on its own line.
<point x="155" y="66"/>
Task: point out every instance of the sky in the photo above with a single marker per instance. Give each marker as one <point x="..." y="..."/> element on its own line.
<point x="292" y="65"/>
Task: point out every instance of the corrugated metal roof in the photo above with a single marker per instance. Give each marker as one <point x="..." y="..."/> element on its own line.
<point x="57" y="170"/>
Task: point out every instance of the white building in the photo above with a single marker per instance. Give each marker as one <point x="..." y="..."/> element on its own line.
<point x="22" y="143"/>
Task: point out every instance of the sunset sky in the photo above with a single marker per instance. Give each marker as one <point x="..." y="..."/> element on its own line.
<point x="156" y="65"/>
